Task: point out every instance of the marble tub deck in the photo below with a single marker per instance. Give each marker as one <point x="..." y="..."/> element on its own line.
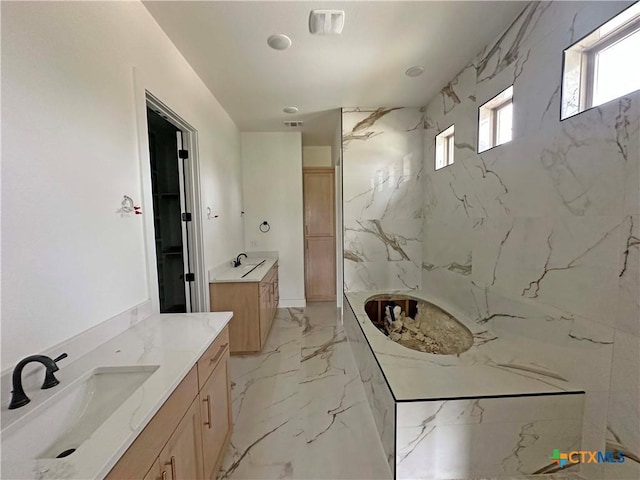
<point x="498" y="364"/>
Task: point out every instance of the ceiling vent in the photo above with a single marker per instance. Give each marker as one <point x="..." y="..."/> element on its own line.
<point x="293" y="124"/>
<point x="326" y="22"/>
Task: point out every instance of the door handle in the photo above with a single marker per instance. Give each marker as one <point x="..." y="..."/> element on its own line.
<point x="217" y="356"/>
<point x="172" y="462"/>
<point x="208" y="400"/>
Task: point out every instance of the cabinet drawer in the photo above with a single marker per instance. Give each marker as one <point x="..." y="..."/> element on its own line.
<point x="212" y="356"/>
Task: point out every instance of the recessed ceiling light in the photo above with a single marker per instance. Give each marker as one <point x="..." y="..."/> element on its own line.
<point x="290" y="109"/>
<point x="414" y="71"/>
<point x="279" y="41"/>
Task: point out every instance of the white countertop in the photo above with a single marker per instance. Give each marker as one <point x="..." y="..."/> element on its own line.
<point x="174" y="342"/>
<point x="234" y="275"/>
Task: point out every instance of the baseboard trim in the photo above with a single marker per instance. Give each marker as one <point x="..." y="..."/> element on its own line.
<point x="292" y="303"/>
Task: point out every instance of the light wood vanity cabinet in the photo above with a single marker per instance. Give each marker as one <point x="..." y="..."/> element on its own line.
<point x="188" y="436"/>
<point x="254" y="306"/>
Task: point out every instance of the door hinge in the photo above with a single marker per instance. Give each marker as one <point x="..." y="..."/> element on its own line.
<point x="190" y="277"/>
<point x="186" y="217"/>
<point x="183" y="153"/>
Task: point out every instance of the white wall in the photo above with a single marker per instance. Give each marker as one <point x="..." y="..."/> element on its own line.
<point x="71" y="151"/>
<point x="316" y="157"/>
<point x="272" y="185"/>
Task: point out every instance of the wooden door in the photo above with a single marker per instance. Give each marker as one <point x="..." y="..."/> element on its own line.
<point x="319" y="234"/>
<point x="181" y="458"/>
<point x="215" y="401"/>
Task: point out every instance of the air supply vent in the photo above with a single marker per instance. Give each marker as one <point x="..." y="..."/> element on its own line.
<point x="326" y="22"/>
<point x="293" y="124"/>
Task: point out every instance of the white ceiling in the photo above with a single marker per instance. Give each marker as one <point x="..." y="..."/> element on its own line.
<point x="226" y="43"/>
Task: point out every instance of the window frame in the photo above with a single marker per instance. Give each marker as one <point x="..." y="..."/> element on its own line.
<point x="588" y="59"/>
<point x="493" y="119"/>
<point x="448" y="147"/>
<point x="590" y="56"/>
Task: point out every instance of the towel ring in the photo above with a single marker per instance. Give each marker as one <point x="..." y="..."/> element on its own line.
<point x="264" y="227"/>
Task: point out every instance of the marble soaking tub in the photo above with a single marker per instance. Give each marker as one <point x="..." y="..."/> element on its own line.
<point x="481" y="410"/>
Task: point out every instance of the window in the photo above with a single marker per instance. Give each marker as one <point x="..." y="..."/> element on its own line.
<point x="495" y="121"/>
<point x="444" y="148"/>
<point x="603" y="65"/>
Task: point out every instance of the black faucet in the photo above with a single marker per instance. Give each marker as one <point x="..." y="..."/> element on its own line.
<point x="18" y="397"/>
<point x="236" y="262"/>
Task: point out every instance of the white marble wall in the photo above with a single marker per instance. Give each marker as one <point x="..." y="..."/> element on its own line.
<point x="381" y="400"/>
<point x="493" y="437"/>
<point x="382" y="168"/>
<point x="550" y="218"/>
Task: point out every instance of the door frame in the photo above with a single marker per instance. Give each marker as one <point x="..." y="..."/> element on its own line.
<point x="200" y="287"/>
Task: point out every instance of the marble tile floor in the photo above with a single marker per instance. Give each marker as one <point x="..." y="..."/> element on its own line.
<point x="299" y="408"/>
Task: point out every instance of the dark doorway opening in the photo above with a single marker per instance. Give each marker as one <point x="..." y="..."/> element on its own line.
<point x="171" y="235"/>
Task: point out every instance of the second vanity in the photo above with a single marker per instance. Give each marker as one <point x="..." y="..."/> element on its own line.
<point x="251" y="292"/>
<point x="173" y="422"/>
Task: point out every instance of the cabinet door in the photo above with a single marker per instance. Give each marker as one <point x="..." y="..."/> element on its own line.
<point x="265" y="311"/>
<point x="276" y="290"/>
<point x="215" y="402"/>
<point x="181" y="458"/>
<point x="320" y="268"/>
<point x="154" y="473"/>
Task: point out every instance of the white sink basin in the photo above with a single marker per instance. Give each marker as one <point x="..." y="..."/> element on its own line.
<point x="61" y="424"/>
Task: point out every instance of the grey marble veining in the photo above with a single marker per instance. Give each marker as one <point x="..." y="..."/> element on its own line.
<point x="380" y="398"/>
<point x="382" y="170"/>
<point x="300" y="411"/>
